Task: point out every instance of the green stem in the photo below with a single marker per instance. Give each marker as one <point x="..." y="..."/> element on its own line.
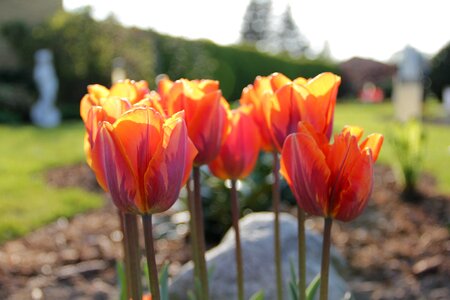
<point x="325" y="259"/>
<point x="126" y="255"/>
<point x="200" y="235"/>
<point x="192" y="225"/>
<point x="301" y="253"/>
<point x="150" y="253"/>
<point x="235" y="221"/>
<point x="276" y="209"/>
<point x="132" y="243"/>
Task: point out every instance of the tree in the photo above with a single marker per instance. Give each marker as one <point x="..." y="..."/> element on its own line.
<point x="256" y="24"/>
<point x="440" y="71"/>
<point x="290" y="39"/>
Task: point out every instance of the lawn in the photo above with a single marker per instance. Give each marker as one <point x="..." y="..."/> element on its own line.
<point x="27" y="202"/>
<point x="379" y="118"/>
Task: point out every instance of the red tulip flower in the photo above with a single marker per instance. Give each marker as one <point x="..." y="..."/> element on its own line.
<point x="143" y="160"/>
<point x="330" y="180"/>
<point x="310" y="100"/>
<point x="206" y="113"/>
<point x="239" y="153"/>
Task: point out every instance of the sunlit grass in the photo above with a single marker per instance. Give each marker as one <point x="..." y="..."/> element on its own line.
<point x="26" y="153"/>
<point x="379" y="118"/>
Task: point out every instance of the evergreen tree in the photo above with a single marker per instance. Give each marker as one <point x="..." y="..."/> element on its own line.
<point x="256" y="24"/>
<point x="290" y="39"/>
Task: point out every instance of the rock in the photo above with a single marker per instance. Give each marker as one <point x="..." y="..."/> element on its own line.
<point x="259" y="269"/>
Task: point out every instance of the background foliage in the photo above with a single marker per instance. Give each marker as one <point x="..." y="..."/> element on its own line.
<point x="84" y="50"/>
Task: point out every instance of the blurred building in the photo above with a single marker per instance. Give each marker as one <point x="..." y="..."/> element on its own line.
<point x="27" y="11"/>
<point x="359" y="71"/>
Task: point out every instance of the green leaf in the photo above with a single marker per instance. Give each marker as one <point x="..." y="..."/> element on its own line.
<point x="293" y="286"/>
<point x="164" y="281"/>
<point x="259" y="295"/>
<point x="122" y="280"/>
<point x="311" y="290"/>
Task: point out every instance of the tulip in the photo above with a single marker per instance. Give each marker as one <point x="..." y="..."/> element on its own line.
<point x="330" y="180"/>
<point x="236" y="160"/>
<point x="253" y="96"/>
<point x="206" y="113"/>
<point x="98" y="94"/>
<point x="310" y="100"/>
<point x="239" y="153"/>
<point x="334" y="181"/>
<point x="142" y="160"/>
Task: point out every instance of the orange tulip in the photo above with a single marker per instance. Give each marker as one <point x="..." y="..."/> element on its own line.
<point x="101" y="104"/>
<point x="239" y="153"/>
<point x="310" y="100"/>
<point x="330" y="180"/>
<point x="98" y="95"/>
<point x="206" y="113"/>
<point x="143" y="159"/>
<point x="253" y="96"/>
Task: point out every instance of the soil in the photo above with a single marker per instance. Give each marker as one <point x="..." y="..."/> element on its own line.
<point x="395" y="250"/>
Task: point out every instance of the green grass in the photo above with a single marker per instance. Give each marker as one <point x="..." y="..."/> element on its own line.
<point x="26" y="153"/>
<point x="379" y="118"/>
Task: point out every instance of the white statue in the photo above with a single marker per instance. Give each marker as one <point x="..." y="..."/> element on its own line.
<point x="44" y="113"/>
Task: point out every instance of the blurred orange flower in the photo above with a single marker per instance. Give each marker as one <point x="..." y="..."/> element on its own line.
<point x="98" y="95"/>
<point x="239" y="153"/>
<point x="312" y="100"/>
<point x="330" y="180"/>
<point x="143" y="159"/>
<point x="206" y="113"/>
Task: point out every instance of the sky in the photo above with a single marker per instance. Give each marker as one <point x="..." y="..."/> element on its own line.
<point x="375" y="29"/>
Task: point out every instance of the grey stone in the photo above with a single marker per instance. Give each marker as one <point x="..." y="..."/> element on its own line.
<point x="259" y="268"/>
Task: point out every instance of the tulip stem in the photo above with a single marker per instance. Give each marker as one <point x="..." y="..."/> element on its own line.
<point x="192" y="224"/>
<point x="276" y="209"/>
<point x="235" y="220"/>
<point x="301" y="253"/>
<point x="325" y="259"/>
<point x="200" y="234"/>
<point x="150" y="253"/>
<point x="131" y="239"/>
<point x="126" y="255"/>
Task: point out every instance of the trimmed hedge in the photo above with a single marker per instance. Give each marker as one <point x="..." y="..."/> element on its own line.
<point x="440" y="71"/>
<point x="84" y="50"/>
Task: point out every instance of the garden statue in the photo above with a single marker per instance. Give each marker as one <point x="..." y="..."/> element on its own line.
<point x="118" y="70"/>
<point x="408" y="85"/>
<point x="44" y="113"/>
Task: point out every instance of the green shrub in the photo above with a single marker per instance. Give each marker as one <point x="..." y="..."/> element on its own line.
<point x="440" y="71"/>
<point x="408" y="144"/>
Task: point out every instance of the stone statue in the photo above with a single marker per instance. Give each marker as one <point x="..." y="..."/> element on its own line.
<point x="44" y="113"/>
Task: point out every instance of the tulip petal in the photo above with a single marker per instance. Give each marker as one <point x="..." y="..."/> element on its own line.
<point x="278" y="80"/>
<point x="112" y="169"/>
<point x="304" y="167"/>
<point x="140" y="133"/>
<point x="283" y="112"/>
<point x="355" y="189"/>
<point x="164" y="178"/>
<point x="114" y="107"/>
<point x="354" y="131"/>
<point x="374" y="143"/>
<point x="125" y="89"/>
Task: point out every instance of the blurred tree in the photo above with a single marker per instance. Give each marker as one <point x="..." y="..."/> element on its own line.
<point x="290" y="39"/>
<point x="440" y="71"/>
<point x="256" y="24"/>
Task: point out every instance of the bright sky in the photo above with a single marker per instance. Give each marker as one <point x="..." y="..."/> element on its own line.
<point x="373" y="29"/>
